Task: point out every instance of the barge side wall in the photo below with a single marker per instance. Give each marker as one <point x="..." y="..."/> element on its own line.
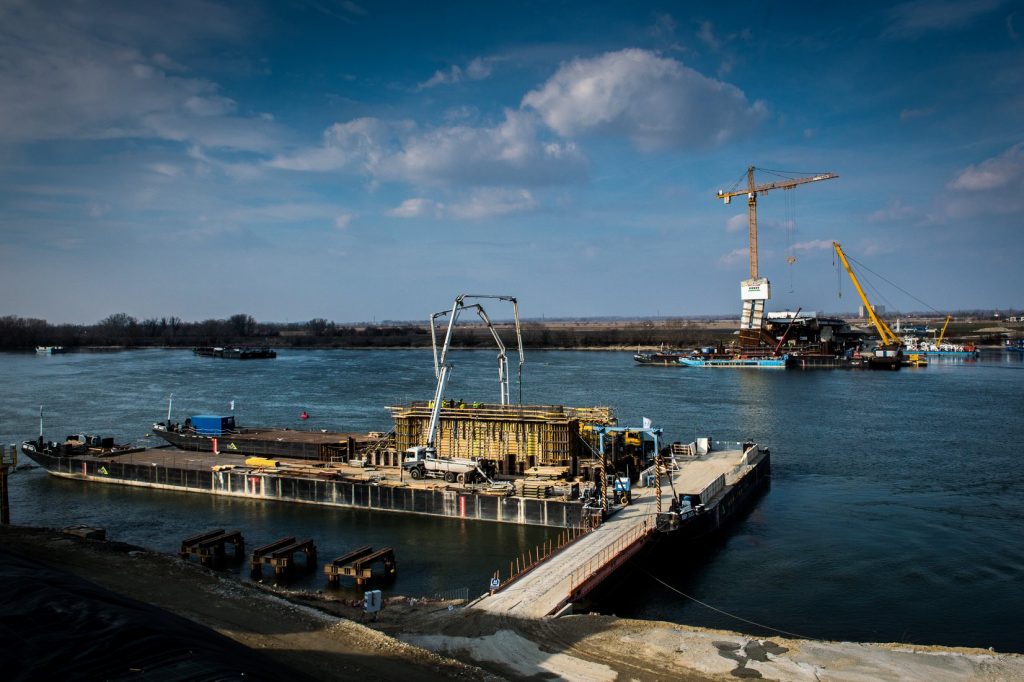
<point x="348" y="494"/>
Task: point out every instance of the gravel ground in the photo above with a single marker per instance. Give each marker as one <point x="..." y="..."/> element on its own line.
<point x="415" y="640"/>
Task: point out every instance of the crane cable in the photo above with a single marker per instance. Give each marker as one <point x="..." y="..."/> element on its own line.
<point x="851" y="259"/>
<point x="717" y="610"/>
<point x="790" y="225"/>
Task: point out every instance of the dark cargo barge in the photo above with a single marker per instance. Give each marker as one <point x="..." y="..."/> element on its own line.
<point x="208" y="433"/>
<point x="236" y="353"/>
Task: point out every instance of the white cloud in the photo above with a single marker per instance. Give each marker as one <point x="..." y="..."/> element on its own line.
<point x="342" y="221"/>
<point x="447" y="76"/>
<point x="489" y="202"/>
<point x="167" y="169"/>
<point x="735" y="256"/>
<point x="416" y="208"/>
<point x="481" y="203"/>
<point x="71" y="74"/>
<point x="912" y="19"/>
<point x="360" y="143"/>
<point x="994" y="187"/>
<point x="477" y="69"/>
<point x="510" y="153"/>
<point x="813" y="245"/>
<point x="656" y="102"/>
<point x="895" y="211"/>
<point x="994" y="173"/>
<point x="736" y="223"/>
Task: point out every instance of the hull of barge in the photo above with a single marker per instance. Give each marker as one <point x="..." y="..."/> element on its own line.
<point x="168" y="469"/>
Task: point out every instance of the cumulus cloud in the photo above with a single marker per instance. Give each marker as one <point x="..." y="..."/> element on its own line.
<point x="912" y="19"/>
<point x="509" y="153"/>
<point x="360" y="143"/>
<point x="656" y="102"/>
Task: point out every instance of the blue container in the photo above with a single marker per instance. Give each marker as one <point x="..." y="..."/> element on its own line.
<point x="212" y="425"/>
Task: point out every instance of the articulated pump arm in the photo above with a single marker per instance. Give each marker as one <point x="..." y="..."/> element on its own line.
<point x="502" y="358"/>
<point x="886" y="334"/>
<point x="442" y="368"/>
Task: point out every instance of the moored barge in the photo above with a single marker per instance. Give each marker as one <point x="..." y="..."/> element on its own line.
<point x="718" y="481"/>
<point x="207" y="433"/>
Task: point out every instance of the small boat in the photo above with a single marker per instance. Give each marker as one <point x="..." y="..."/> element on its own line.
<point x="75" y="445"/>
<point x="1015" y="346"/>
<point x="49" y="350"/>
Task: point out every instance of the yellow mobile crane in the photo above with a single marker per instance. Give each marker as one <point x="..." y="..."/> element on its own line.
<point x="756" y="290"/>
<point x="888" y="355"/>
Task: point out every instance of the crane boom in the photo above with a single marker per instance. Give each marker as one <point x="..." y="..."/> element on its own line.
<point x="752" y="190"/>
<point x="943" y="334"/>
<point x="886" y="334"/>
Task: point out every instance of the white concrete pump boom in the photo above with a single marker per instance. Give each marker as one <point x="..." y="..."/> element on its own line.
<point x="442" y="368"/>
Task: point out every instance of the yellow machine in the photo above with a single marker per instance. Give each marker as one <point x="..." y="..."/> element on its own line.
<point x="892" y="345"/>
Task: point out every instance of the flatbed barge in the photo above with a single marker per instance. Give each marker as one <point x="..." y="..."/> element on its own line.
<point x="701" y="478"/>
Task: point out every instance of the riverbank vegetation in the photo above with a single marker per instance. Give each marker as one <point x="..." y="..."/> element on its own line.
<point x="124" y="331"/>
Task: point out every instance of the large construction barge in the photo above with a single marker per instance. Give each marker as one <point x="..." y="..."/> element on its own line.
<point x="556" y="468"/>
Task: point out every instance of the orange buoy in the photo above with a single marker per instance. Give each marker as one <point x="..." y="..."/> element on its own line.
<point x="304" y="415"/>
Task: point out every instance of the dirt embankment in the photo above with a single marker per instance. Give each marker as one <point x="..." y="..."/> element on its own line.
<point x="416" y="640"/>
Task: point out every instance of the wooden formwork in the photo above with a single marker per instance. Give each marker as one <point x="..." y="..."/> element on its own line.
<point x="516" y="437"/>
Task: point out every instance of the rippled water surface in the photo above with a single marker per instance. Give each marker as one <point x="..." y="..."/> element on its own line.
<point x="895" y="513"/>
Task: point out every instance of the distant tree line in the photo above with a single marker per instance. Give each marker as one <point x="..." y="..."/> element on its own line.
<point x="123" y="330"/>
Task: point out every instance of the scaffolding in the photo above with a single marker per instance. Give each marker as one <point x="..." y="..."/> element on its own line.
<point x="515" y="437"/>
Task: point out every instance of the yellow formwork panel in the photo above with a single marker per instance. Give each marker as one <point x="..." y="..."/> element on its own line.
<point x="547" y="434"/>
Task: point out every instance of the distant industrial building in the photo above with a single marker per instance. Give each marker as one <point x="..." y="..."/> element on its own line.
<point x="863" y="312"/>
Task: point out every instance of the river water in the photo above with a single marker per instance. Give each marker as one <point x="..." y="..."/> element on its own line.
<point x="895" y="511"/>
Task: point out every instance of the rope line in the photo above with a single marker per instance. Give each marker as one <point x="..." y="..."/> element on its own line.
<point x="724" y="613"/>
<point x="895" y="286"/>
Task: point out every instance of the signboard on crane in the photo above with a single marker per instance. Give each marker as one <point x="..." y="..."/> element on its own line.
<point x="755" y="289"/>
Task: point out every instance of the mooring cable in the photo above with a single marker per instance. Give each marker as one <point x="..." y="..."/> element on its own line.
<point x="724" y="613"/>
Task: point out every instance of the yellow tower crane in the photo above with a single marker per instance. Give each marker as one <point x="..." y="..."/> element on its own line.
<point x="756" y="290"/>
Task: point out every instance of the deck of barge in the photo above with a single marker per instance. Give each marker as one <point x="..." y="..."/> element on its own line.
<point x="574" y="571"/>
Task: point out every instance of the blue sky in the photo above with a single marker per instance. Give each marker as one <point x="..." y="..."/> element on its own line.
<point x="366" y="161"/>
